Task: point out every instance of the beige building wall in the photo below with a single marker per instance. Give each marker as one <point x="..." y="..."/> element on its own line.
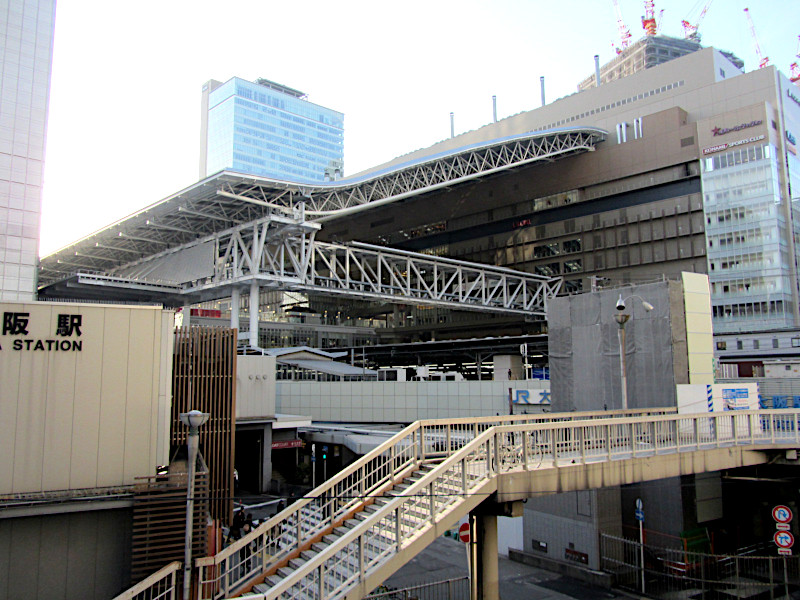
<point x="699" y="333"/>
<point x="85" y="395"/>
<point x="255" y="387"/>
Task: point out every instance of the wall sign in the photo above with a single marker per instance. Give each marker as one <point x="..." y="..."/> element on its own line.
<point x="531" y="397"/>
<point x="792" y="97"/>
<point x="724" y="130"/>
<point x="16" y="337"/>
<point x="725" y="146"/>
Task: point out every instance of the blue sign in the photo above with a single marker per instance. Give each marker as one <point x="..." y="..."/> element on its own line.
<point x="531" y="397"/>
<point x="639" y="515"/>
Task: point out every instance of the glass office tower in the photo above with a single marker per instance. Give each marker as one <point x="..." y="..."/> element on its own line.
<point x="264" y="128"/>
<point x="26" y="27"/>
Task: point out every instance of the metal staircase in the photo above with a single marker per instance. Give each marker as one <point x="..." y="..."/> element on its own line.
<point x="419" y="466"/>
<point x="365" y="523"/>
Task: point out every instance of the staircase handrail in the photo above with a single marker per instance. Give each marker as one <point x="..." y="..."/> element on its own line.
<point x="725" y="431"/>
<point x="361" y="479"/>
<point x="393" y="506"/>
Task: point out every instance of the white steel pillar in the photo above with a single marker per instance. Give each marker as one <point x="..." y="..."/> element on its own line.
<point x="235" y="296"/>
<point x="254" y="300"/>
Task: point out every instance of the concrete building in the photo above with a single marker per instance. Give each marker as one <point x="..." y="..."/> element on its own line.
<point x="265" y="128"/>
<point x="84" y="416"/>
<point x="699" y="173"/>
<point x="26" y="30"/>
<point x="648" y="52"/>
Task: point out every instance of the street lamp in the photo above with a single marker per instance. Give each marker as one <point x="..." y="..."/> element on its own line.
<point x="193" y="420"/>
<point x="622" y="318"/>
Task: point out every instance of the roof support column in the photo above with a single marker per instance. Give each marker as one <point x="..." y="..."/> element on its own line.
<point x="487" y="571"/>
<point x="235" y="296"/>
<point x="254" y="300"/>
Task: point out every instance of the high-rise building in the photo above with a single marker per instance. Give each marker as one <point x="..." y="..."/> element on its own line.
<point x="648" y="52"/>
<point x="265" y="128"/>
<point x="27" y="29"/>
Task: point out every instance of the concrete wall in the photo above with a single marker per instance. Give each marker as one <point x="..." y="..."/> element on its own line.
<point x="85" y="405"/>
<point x="80" y="556"/>
<point x="569" y="525"/>
<point x="255" y="386"/>
<point x="403" y="402"/>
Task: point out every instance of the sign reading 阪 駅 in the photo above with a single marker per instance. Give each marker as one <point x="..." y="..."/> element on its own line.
<point x="63" y="337"/>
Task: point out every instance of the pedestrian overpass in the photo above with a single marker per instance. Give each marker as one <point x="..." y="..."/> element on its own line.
<point x="349" y="534"/>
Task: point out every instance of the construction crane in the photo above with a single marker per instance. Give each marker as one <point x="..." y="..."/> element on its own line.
<point x="689" y="30"/>
<point x="763" y="61"/>
<point x="624" y="32"/>
<point x="649" y="18"/>
<point x="794" y="68"/>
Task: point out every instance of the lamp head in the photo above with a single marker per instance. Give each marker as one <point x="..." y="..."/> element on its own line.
<point x="647" y="306"/>
<point x="194" y="418"/>
<point x="621" y="303"/>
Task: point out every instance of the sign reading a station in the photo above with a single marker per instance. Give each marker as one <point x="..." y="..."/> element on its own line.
<point x="16" y="334"/>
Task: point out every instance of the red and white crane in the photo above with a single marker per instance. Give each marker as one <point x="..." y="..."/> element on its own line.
<point x="763" y="61"/>
<point x="624" y="32"/>
<point x="649" y="18"/>
<point x="794" y="68"/>
<point x="690" y="30"/>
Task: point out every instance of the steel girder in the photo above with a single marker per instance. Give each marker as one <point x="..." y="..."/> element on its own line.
<point x="229" y="199"/>
<point x="282" y="253"/>
<point x="416" y="178"/>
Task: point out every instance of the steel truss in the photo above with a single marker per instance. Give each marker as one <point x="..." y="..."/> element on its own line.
<point x="469" y="163"/>
<point x="282" y="253"/>
<point x="229" y="200"/>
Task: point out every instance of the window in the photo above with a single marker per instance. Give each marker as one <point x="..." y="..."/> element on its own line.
<point x="545" y="250"/>
<point x="722" y="345"/>
<point x="775" y="343"/>
<point x="739" y="345"/>
<point x="796" y="342"/>
<point x="571" y="246"/>
<point x="756" y="345"/>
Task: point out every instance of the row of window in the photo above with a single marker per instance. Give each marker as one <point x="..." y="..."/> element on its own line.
<point x="611" y="105"/>
<point x="311" y="123"/>
<point x="756" y="344"/>
<point x="739" y="156"/>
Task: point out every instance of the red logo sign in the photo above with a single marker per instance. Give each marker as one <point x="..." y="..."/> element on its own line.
<point x="280" y="445"/>
<point x="463" y="533"/>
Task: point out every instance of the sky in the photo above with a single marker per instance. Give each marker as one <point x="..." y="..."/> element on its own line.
<point x="124" y="113"/>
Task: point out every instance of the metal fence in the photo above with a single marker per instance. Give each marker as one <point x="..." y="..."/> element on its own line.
<point x="449" y="589"/>
<point x="671" y="573"/>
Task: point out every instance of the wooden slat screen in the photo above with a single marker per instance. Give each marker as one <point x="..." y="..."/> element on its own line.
<point x="204" y="379"/>
<point x="159" y="521"/>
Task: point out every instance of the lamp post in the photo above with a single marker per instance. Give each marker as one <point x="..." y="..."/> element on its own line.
<point x="621" y="318"/>
<point x="193" y="420"/>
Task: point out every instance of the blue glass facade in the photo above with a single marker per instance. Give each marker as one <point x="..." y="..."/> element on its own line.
<point x="259" y="130"/>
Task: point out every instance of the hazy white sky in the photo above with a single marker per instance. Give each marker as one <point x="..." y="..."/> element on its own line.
<point x="124" y="125"/>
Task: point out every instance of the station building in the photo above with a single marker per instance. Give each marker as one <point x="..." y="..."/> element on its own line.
<point x="699" y="173"/>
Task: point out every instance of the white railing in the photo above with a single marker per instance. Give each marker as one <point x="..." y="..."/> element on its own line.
<point x="296" y="527"/>
<point x="161" y="585"/>
<point x="472" y="471"/>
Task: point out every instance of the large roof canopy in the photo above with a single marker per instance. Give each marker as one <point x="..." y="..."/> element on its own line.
<point x="230" y="199"/>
